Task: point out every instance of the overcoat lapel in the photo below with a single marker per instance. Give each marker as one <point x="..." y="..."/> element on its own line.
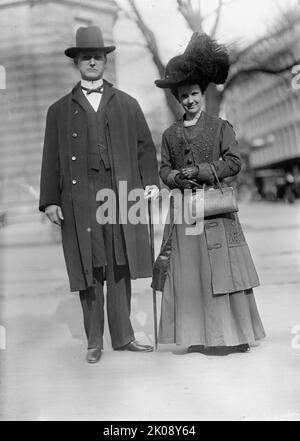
<point x="108" y="94"/>
<point x="78" y="96"/>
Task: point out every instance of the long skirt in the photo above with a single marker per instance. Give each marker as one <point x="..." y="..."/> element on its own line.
<point x="191" y="314"/>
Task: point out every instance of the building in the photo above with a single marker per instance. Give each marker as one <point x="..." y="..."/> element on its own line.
<point x="265" y="109"/>
<point x="33" y="35"/>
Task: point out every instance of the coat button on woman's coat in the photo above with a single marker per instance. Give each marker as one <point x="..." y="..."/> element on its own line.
<point x="74" y="182"/>
<point x="74" y="135"/>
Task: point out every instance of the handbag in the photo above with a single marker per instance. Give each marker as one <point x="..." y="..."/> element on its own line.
<point x="217" y="201"/>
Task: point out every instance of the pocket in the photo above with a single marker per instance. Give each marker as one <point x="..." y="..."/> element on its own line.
<point x="94" y="161"/>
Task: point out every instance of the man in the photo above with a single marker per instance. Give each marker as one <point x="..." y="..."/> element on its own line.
<point x="96" y="137"/>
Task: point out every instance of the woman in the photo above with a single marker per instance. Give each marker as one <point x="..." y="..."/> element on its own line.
<point x="207" y="280"/>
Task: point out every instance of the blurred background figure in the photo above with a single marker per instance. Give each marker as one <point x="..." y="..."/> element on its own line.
<point x="289" y="194"/>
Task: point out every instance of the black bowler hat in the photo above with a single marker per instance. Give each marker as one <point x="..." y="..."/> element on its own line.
<point x="89" y="38"/>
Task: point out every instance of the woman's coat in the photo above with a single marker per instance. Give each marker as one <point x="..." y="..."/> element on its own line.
<point x="231" y="263"/>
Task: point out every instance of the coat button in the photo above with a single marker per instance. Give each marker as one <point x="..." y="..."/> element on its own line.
<point x="74" y="135"/>
<point x="76" y="112"/>
<point x="215" y="246"/>
<point x="212" y="224"/>
<point x="189" y="162"/>
<point x="74" y="158"/>
<point x="74" y="182"/>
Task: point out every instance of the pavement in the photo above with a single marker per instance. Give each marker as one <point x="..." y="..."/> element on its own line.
<point x="44" y="375"/>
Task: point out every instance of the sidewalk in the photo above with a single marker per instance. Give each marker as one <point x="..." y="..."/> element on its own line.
<point x="45" y="375"/>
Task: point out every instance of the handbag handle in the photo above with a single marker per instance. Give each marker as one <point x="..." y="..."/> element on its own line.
<point x="216" y="178"/>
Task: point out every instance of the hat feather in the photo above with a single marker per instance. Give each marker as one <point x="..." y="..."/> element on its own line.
<point x="207" y="59"/>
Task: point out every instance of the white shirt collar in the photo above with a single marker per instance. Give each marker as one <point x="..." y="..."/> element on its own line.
<point x="192" y="122"/>
<point x="92" y="84"/>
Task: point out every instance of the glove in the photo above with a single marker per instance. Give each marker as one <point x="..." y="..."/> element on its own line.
<point x="189" y="173"/>
<point x="182" y="183"/>
<point x="205" y="174"/>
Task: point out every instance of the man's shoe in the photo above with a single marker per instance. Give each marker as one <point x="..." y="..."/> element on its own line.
<point x="135" y="346"/>
<point x="93" y="355"/>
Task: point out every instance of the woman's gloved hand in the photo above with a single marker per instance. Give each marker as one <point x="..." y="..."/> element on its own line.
<point x="205" y="174"/>
<point x="182" y="183"/>
<point x="189" y="172"/>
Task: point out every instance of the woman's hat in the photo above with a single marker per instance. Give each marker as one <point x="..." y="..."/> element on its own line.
<point x="89" y="38"/>
<point x="204" y="61"/>
<point x="176" y="73"/>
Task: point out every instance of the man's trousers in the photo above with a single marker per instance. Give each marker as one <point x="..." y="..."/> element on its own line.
<point x="110" y="265"/>
<point x="118" y="300"/>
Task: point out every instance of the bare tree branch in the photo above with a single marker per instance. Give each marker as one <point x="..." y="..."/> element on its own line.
<point x="152" y="46"/>
<point x="149" y="37"/>
<point x="214" y="11"/>
<point x="256" y="70"/>
<point x="276" y="33"/>
<point x="192" y="16"/>
<point x="217" y="20"/>
<point x="260" y="56"/>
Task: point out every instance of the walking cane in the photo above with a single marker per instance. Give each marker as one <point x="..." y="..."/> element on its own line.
<point x="151" y="228"/>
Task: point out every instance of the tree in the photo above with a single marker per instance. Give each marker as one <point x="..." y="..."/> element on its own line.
<point x="258" y="57"/>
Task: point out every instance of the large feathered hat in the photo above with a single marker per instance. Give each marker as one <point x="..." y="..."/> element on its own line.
<point x="204" y="61"/>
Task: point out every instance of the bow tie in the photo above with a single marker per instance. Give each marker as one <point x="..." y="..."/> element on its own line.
<point x="97" y="90"/>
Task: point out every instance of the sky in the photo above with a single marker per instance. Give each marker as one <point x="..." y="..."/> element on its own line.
<point x="242" y="22"/>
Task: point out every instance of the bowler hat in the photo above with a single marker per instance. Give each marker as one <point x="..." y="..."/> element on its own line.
<point x="88" y="38"/>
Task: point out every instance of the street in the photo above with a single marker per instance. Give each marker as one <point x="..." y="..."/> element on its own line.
<point x="44" y="375"/>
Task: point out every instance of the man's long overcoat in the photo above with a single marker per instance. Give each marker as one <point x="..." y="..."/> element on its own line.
<point x="64" y="177"/>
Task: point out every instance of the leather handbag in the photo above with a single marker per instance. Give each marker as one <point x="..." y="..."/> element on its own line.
<point x="217" y="201"/>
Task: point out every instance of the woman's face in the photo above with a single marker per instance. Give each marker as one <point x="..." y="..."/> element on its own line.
<point x="190" y="97"/>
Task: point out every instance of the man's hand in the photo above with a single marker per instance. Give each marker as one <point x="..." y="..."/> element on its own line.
<point x="151" y="191"/>
<point x="54" y="214"/>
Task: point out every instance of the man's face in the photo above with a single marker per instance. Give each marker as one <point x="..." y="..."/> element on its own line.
<point x="91" y="64"/>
